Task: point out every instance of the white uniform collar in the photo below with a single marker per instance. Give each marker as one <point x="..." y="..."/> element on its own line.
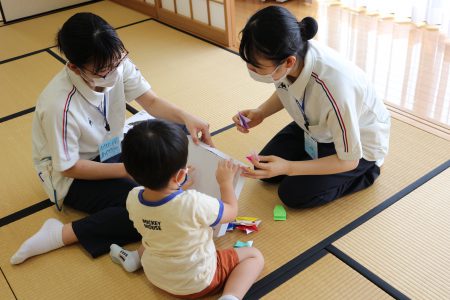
<point x="95" y="98"/>
<point x="298" y="87"/>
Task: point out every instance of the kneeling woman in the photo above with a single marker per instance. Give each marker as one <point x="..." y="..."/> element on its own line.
<point x="340" y="131"/>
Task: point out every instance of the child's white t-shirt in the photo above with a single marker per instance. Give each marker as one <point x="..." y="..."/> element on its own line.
<point x="180" y="256"/>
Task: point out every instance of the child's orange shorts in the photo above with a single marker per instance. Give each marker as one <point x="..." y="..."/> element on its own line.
<point x="226" y="261"/>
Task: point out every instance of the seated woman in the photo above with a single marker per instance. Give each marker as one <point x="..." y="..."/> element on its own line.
<point x="77" y="130"/>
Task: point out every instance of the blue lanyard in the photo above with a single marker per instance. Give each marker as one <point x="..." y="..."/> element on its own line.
<point x="104" y="113"/>
<point x="302" y="109"/>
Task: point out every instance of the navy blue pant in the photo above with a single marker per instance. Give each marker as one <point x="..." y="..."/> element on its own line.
<point x="313" y="190"/>
<point x="108" y="222"/>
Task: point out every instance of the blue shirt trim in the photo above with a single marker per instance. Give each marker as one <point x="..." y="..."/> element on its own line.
<point x="159" y="202"/>
<point x="219" y="216"/>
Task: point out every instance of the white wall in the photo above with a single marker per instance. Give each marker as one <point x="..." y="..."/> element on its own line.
<point x="16" y="9"/>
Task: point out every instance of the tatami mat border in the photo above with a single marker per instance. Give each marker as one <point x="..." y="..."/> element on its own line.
<point x="17" y="114"/>
<point x="22" y="56"/>
<point x="3" y="15"/>
<point x="31" y="109"/>
<point x="282" y="274"/>
<point x="131" y="109"/>
<point x="48" y="49"/>
<point x="293" y="267"/>
<point x="55" y="55"/>
<point x="372" y="277"/>
<point x="6" y="279"/>
<point x="25" y="212"/>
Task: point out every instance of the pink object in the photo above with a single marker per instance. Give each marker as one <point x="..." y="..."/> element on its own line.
<point x="252" y="157"/>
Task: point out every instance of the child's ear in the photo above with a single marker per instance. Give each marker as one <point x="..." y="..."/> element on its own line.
<point x="179" y="176"/>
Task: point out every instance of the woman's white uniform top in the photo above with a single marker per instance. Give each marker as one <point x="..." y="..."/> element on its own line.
<point x="69" y="122"/>
<point x="340" y="105"/>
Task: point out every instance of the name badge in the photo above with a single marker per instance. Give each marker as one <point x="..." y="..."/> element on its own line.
<point x="311" y="146"/>
<point x="110" y="148"/>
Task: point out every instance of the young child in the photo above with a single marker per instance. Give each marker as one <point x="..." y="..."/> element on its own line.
<point x="178" y="253"/>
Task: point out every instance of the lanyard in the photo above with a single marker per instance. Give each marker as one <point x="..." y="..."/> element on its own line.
<point x="103" y="112"/>
<point x="302" y="109"/>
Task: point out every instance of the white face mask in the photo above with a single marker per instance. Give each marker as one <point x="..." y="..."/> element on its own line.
<point x="109" y="81"/>
<point x="268" y="78"/>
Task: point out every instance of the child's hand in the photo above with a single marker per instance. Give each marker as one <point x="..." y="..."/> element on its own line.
<point x="226" y="170"/>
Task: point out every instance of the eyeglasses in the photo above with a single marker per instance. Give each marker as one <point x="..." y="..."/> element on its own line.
<point x="111" y="69"/>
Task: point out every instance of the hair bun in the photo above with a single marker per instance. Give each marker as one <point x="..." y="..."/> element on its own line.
<point x="308" y="28"/>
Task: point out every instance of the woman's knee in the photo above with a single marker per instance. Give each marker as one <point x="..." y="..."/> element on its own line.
<point x="302" y="198"/>
<point x="274" y="180"/>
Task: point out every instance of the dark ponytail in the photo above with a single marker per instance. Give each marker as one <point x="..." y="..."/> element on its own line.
<point x="274" y="33"/>
<point x="308" y="28"/>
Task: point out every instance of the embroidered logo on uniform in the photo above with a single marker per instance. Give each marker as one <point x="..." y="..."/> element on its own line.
<point x="282" y="86"/>
<point x="152" y="225"/>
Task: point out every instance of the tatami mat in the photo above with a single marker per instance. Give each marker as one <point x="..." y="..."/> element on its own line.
<point x="213" y="84"/>
<point x="328" y="278"/>
<point x="20" y="186"/>
<point x="39" y="33"/>
<point x="21" y="81"/>
<point x="199" y="77"/>
<point x="282" y="241"/>
<point x="278" y="241"/>
<point x="408" y="245"/>
<point x="5" y="291"/>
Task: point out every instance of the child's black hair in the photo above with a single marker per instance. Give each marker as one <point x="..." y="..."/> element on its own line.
<point x="86" y="38"/>
<point x="273" y="33"/>
<point x="153" y="151"/>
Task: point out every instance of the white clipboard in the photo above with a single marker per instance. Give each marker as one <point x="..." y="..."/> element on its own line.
<point x="205" y="159"/>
